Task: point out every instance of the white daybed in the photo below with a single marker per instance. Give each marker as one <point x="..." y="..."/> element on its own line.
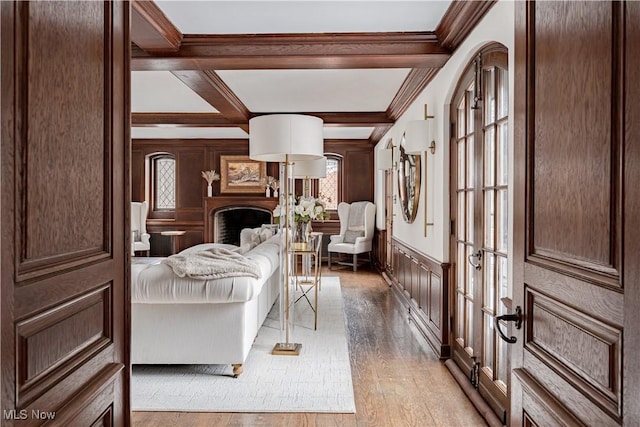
<point x="178" y="320"/>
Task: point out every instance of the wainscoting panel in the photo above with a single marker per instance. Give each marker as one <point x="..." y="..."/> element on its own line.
<point x="54" y="237"/>
<point x="576" y="223"/>
<point x="421" y="284"/>
<point x="582" y="350"/>
<point x="44" y="357"/>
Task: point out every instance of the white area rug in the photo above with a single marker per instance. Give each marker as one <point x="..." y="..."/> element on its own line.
<point x="318" y="380"/>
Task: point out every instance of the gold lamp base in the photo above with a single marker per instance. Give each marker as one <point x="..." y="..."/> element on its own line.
<point x="286" y="349"/>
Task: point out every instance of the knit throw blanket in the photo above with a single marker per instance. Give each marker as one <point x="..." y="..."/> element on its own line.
<point x="214" y="263"/>
<point x="356" y="216"/>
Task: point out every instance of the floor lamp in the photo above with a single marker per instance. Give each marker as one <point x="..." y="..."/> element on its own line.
<point x="308" y="170"/>
<point x="286" y="138"/>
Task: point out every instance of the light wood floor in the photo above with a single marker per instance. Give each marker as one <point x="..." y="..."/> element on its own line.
<point x="397" y="379"/>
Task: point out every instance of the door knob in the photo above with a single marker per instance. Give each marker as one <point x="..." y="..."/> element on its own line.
<point x="515" y="317"/>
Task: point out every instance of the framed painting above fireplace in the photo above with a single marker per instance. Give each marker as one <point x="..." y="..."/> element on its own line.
<point x="240" y="174"/>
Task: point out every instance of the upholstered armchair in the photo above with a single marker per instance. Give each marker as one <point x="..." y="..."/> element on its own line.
<point x="357" y="221"/>
<point x="139" y="236"/>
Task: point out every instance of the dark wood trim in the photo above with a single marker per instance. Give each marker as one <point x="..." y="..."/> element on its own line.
<point x="378" y="133"/>
<point x="631" y="206"/>
<point x="183" y="119"/>
<point x="412" y="277"/>
<point x="151" y="30"/>
<point x="459" y="20"/>
<point x="351" y="119"/>
<point x="212" y="89"/>
<point x="346" y="119"/>
<point x="298" y="51"/>
<point x="340" y="144"/>
<point x="170" y="144"/>
<point x="413" y="85"/>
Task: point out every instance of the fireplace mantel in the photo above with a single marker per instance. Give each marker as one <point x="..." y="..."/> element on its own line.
<point x="213" y="204"/>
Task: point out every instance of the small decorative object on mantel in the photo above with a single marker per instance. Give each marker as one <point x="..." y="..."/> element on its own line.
<point x="275" y="185"/>
<point x="268" y="181"/>
<point x="210" y="176"/>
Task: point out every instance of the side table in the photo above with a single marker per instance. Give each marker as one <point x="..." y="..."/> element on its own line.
<point x="172" y="235"/>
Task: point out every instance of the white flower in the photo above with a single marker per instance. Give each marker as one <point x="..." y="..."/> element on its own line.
<point x="304" y="209"/>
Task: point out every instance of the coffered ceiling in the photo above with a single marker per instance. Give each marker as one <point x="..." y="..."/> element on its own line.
<point x="202" y="69"/>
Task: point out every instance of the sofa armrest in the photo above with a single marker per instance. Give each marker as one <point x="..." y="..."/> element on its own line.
<point x="145" y="237"/>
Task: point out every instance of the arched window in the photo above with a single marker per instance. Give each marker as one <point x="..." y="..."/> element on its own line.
<point x="330" y="187"/>
<point x="162" y="182"/>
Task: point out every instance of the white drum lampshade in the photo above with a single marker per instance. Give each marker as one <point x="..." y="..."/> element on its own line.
<point x="278" y="137"/>
<point x="416" y="136"/>
<point x="310" y="168"/>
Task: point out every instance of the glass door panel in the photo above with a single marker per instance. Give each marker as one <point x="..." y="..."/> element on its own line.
<point x="480" y="205"/>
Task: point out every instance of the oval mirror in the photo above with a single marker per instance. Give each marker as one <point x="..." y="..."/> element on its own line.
<point x="408" y="183"/>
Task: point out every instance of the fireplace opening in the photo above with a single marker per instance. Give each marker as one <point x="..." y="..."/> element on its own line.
<point x="229" y="222"/>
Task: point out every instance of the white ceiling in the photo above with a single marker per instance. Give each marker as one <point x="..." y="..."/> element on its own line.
<point x="265" y="17"/>
<point x="290" y="91"/>
<point x="161" y="91"/>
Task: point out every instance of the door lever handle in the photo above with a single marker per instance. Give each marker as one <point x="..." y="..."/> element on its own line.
<point x="476" y="255"/>
<point x="515" y="317"/>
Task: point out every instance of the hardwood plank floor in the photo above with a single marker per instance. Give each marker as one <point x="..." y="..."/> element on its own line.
<point x="397" y="379"/>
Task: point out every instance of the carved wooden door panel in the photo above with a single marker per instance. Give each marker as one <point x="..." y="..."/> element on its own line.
<point x="65" y="126"/>
<point x="577" y="257"/>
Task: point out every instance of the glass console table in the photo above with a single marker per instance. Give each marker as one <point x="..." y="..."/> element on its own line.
<point x="307" y="272"/>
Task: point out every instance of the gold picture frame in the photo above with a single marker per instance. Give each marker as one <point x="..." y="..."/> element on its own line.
<point x="240" y="174"/>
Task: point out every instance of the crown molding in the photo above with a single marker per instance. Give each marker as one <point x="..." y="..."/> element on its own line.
<point x="459" y="20"/>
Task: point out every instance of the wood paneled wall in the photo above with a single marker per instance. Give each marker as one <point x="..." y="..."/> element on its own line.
<point x="422" y="286"/>
<point x="193" y="156"/>
<point x="380" y="249"/>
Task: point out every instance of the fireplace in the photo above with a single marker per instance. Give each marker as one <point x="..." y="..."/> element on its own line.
<point x="228" y="222"/>
<point x="233" y="214"/>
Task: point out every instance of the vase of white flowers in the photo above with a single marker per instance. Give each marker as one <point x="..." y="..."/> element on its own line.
<point x="304" y="210"/>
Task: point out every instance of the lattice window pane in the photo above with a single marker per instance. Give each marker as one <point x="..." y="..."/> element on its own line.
<point x="165" y="183"/>
<point x="328" y="187"/>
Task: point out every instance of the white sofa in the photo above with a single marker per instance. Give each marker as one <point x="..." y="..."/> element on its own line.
<point x="188" y="321"/>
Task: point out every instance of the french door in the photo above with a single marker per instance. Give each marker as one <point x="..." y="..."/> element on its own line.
<point x="479" y="149"/>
